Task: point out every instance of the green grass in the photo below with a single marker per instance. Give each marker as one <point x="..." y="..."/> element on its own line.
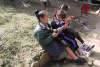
<point x="17" y="39"/>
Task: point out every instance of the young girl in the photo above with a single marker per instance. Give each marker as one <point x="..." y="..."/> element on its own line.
<point x="85" y="7"/>
<point x="44" y="3"/>
<point x="64" y="34"/>
<point x="69" y="30"/>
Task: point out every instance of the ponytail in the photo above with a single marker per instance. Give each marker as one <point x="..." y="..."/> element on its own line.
<point x="64" y="7"/>
<point x="36" y="12"/>
<point x="39" y="14"/>
<point x="61" y="14"/>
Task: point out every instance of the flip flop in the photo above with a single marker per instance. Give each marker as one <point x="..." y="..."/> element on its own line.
<point x="86" y="17"/>
<point x="80" y="60"/>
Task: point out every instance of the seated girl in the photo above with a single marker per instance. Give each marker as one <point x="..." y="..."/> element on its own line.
<point x="70" y="30"/>
<point x="64" y="35"/>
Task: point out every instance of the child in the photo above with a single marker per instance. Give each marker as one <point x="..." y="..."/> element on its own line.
<point x="64" y="34"/>
<point x="44" y="3"/>
<point x="72" y="31"/>
<point x="85" y="7"/>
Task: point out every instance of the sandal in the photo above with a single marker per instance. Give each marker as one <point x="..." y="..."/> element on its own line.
<point x="86" y="17"/>
<point x="81" y="60"/>
<point x="66" y="61"/>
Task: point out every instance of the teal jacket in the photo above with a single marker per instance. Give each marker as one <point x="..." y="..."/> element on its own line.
<point x="43" y="35"/>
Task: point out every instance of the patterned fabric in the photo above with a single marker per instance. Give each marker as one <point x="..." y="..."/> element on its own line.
<point x="44" y="25"/>
<point x="85" y="7"/>
<point x="67" y="37"/>
<point x="55" y="50"/>
<point x="74" y="43"/>
<point x="63" y="55"/>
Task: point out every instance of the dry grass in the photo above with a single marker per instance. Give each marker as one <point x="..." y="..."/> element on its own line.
<point x="17" y="42"/>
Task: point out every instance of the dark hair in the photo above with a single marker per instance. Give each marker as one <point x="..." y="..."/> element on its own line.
<point x="61" y="14"/>
<point x="36" y="12"/>
<point x="63" y="7"/>
<point x="39" y="14"/>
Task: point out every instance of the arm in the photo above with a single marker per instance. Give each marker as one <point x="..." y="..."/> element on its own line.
<point x="42" y="39"/>
<point x="54" y="15"/>
<point x="59" y="29"/>
<point x="65" y="26"/>
<point x="69" y="19"/>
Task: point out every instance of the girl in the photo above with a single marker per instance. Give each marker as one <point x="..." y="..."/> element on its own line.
<point x="44" y="34"/>
<point x="64" y="35"/>
<point x="85" y="7"/>
<point x="73" y="32"/>
<point x="44" y="3"/>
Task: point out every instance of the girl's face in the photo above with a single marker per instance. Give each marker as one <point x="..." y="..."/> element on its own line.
<point x="66" y="11"/>
<point x="58" y="18"/>
<point x="45" y="18"/>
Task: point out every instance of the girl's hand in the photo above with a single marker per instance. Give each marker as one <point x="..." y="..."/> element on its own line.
<point x="55" y="34"/>
<point x="66" y="25"/>
<point x="56" y="11"/>
<point x="70" y="18"/>
<point x="54" y="14"/>
<point x="54" y="30"/>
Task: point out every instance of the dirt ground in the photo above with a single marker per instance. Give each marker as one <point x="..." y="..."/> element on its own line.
<point x="90" y="33"/>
